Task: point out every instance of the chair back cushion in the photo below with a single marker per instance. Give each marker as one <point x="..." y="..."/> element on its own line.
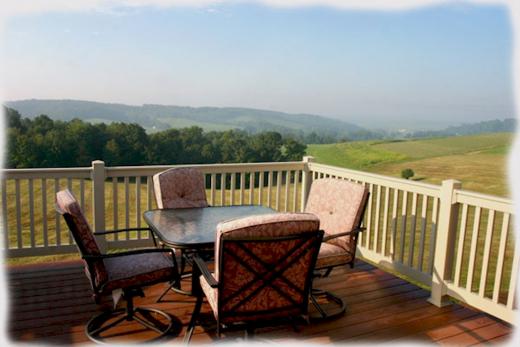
<point x="264" y="265"/>
<point x="180" y="188"/>
<point x="339" y="204"/>
<point x="69" y="207"/>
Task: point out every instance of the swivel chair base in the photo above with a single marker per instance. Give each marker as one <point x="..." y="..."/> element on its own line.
<point x="144" y="316"/>
<point x="338" y="309"/>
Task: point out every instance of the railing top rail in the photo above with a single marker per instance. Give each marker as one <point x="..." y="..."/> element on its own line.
<point x="392" y="182"/>
<point x="483" y="200"/>
<point x="114" y="171"/>
<point x="76" y="172"/>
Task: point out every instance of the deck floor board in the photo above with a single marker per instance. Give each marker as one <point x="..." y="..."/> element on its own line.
<point x="51" y="303"/>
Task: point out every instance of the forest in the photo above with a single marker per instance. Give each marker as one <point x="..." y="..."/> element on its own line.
<point x="43" y="142"/>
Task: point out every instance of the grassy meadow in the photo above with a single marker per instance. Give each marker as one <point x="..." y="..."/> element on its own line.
<point x="478" y="161"/>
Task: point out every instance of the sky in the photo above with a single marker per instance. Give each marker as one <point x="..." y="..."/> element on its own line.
<point x="441" y="64"/>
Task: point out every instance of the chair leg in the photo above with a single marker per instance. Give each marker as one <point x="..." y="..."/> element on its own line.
<point x="193" y="321"/>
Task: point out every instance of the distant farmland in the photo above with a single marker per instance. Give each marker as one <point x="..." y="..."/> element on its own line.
<point x="478" y="161"/>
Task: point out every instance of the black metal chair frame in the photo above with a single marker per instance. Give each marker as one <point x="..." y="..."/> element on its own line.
<point x="186" y="258"/>
<point x="94" y="327"/>
<point x="270" y="274"/>
<point x="315" y="292"/>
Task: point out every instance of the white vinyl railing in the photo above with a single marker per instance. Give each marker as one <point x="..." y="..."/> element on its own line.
<point x="116" y="197"/>
<point x="457" y="242"/>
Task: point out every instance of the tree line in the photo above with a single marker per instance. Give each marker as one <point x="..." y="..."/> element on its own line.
<point x="43" y="142"/>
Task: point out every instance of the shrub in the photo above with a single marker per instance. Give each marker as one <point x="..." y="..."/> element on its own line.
<point x="407" y="173"/>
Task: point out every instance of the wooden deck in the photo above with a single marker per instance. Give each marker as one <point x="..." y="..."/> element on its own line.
<point x="51" y="304"/>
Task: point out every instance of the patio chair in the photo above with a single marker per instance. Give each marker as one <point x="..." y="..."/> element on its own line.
<point x="180" y="188"/>
<point x="123" y="274"/>
<point x="263" y="271"/>
<point x="340" y="205"/>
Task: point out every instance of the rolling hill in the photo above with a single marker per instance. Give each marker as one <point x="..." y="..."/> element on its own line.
<point x="160" y="117"/>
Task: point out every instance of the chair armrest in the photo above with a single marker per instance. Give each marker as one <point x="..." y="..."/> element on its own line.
<point x="346" y="233"/>
<point x="201" y="265"/>
<point x="120" y="231"/>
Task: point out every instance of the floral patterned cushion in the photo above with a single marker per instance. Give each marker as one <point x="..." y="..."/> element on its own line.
<point x="138" y="270"/>
<point x="180" y="188"/>
<point x="266" y="225"/>
<point x="332" y="255"/>
<point x="249" y="288"/>
<point x="339" y="205"/>
<point x="82" y="233"/>
<point x="212" y="297"/>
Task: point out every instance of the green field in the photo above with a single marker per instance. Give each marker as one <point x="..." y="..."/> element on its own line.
<point x="478" y="161"/>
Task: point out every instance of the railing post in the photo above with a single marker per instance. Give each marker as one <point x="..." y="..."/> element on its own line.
<point x="444" y="243"/>
<point x="306" y="180"/>
<point x="98" y="199"/>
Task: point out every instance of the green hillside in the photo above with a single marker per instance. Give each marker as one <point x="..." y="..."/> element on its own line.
<point x="479" y="161"/>
<point x="160" y="117"/>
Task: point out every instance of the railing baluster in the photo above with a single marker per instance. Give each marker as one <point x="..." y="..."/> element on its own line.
<point x="261" y="189"/>
<point x="19" y="239"/>
<point x="213" y="189"/>
<point x="252" y="188"/>
<point x="435" y="211"/>
<point x="424" y="211"/>
<point x="269" y="187"/>
<point x="403" y="225"/>
<point x="138" y="204"/>
<point x="149" y="192"/>
<point x="411" y="250"/>
<point x="233" y="182"/>
<point x="69" y="187"/>
<point x="460" y="248"/>
<point x="4" y="214"/>
<point x="223" y="189"/>
<point x="278" y="189"/>
<point x="115" y="203"/>
<point x="393" y="239"/>
<point x="295" y="189"/>
<point x="473" y="251"/>
<point x="44" y="214"/>
<point x="368" y="218"/>
<point x="487" y="251"/>
<point x="82" y="193"/>
<point x="31" y="212"/>
<point x="287" y="184"/>
<point x="501" y="256"/>
<point x="242" y="187"/>
<point x="127" y="206"/>
<point x="57" y="215"/>
<point x="377" y="215"/>
<point x="385" y="221"/>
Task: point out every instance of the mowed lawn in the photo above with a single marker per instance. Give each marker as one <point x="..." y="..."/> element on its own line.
<point x="478" y="161"/>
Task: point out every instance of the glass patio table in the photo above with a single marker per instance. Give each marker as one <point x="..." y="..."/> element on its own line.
<point x="194" y="228"/>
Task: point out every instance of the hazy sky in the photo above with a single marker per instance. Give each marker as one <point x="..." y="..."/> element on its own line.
<point x="445" y="62"/>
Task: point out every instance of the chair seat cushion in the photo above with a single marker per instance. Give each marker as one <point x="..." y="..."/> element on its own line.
<point x="332" y="255"/>
<point x="138" y="270"/>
